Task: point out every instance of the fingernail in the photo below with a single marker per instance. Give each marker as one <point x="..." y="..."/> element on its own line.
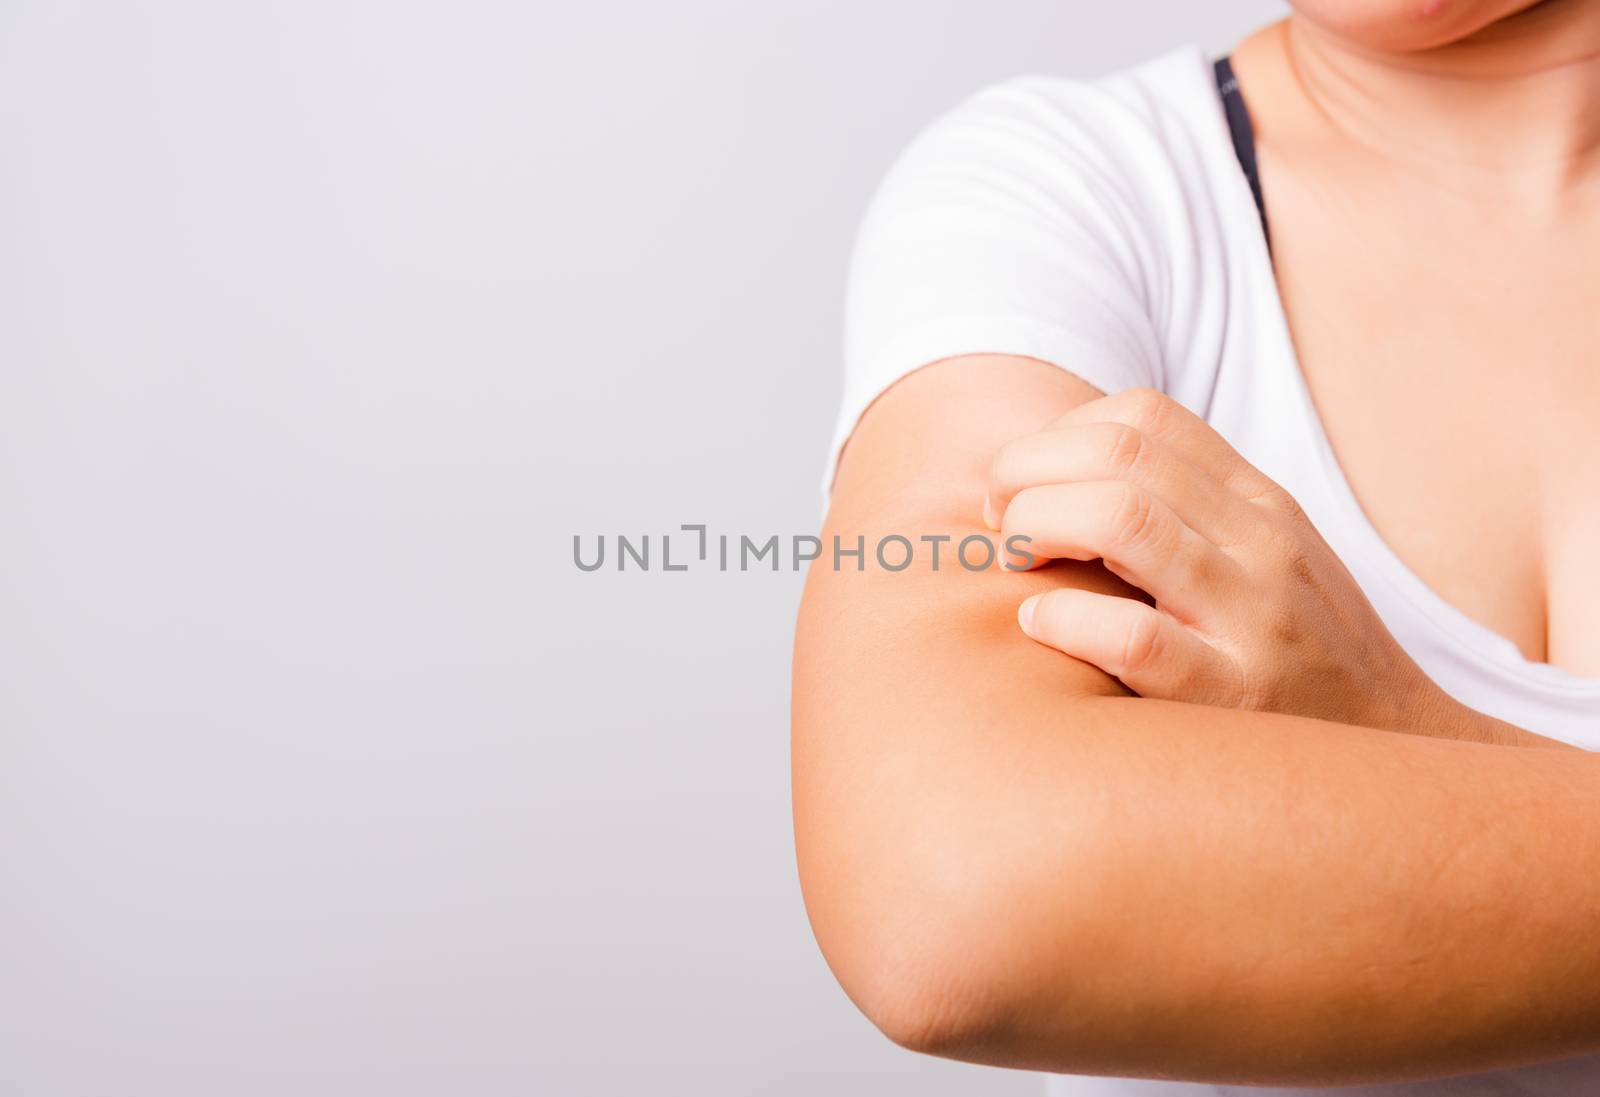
<point x="1025" y="613"/>
<point x="988" y="513"/>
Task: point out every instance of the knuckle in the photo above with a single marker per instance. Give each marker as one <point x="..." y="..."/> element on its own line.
<point x="1132" y="518"/>
<point x="1280" y="500"/>
<point x="1141" y="643"/>
<point x="1148" y="408"/>
<point x="1124" y="449"/>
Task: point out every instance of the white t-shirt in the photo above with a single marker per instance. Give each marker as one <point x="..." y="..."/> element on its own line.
<point x="1107" y="227"/>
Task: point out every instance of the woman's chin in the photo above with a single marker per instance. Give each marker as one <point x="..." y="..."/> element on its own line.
<point x="1406" y="25"/>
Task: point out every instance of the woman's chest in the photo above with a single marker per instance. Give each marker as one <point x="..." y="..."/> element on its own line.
<point x="1457" y="376"/>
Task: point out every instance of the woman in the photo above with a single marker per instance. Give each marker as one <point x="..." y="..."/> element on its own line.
<point x="1268" y="776"/>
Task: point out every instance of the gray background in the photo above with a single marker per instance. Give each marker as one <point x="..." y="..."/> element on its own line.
<point x="326" y="326"/>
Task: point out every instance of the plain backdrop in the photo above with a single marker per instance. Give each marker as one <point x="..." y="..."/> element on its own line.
<point x="326" y="326"/>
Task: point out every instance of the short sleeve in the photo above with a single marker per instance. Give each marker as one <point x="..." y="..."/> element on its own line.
<point x="1012" y="225"/>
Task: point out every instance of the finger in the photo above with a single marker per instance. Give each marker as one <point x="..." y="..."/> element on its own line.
<point x="1138" y="537"/>
<point x="1151" y="653"/>
<point x="1116" y="451"/>
<point x="1191" y="437"/>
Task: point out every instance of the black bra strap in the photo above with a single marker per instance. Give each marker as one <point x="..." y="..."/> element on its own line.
<point x="1243" y="134"/>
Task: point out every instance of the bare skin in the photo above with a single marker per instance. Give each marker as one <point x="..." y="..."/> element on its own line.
<point x="1242" y="874"/>
<point x="1468" y="180"/>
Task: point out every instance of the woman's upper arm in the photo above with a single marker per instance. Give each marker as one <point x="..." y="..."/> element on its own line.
<point x="900" y="676"/>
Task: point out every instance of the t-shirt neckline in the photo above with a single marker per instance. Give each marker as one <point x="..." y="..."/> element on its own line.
<point x="1451" y="625"/>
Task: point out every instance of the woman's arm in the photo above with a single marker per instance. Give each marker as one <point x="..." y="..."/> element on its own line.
<point x="1248" y="606"/>
<point x="1007" y="859"/>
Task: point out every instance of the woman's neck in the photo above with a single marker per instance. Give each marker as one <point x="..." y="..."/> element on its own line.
<point x="1513" y="109"/>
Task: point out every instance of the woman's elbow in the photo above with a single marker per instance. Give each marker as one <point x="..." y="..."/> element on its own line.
<point x="936" y="963"/>
<point x="932" y="1021"/>
<point x="924" y="991"/>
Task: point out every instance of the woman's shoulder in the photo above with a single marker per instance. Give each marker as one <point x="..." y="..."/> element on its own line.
<point x="1153" y="124"/>
<point x="1148" y="96"/>
<point x="1139" y="161"/>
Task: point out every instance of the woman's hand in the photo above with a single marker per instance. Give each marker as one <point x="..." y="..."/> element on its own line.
<point x="1252" y="609"/>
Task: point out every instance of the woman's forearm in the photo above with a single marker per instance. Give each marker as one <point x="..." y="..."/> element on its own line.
<point x="1234" y="896"/>
<point x="1131" y="886"/>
